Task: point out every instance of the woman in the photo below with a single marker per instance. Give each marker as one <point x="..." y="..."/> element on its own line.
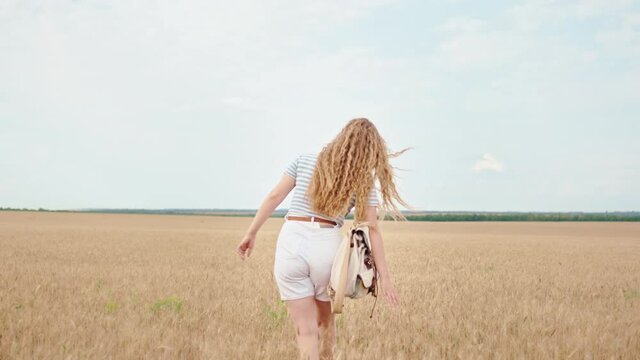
<point x="328" y="185"/>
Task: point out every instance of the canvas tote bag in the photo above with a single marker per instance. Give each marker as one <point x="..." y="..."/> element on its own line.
<point x="353" y="273"/>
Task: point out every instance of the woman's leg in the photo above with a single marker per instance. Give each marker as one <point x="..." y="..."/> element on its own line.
<point x="327" y="329"/>
<point x="304" y="314"/>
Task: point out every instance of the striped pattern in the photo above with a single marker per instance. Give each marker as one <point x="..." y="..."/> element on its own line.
<point x="301" y="169"/>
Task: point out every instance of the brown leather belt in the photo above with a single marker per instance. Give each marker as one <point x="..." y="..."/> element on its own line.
<point x="311" y="218"/>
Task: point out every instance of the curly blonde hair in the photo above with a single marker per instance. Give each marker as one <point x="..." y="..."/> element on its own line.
<point x="349" y="165"/>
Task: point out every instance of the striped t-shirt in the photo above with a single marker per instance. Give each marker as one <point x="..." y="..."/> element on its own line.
<point x="301" y="169"/>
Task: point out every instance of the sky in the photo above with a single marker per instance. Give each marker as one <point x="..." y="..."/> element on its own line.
<point x="530" y="105"/>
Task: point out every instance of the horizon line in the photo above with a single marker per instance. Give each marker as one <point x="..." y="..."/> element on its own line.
<point x="286" y="209"/>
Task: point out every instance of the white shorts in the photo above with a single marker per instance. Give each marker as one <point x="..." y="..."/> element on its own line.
<point x="303" y="258"/>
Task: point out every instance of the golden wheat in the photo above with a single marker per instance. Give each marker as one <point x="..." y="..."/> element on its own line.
<point x="78" y="286"/>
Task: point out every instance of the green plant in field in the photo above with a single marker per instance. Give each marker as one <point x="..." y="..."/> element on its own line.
<point x="277" y="313"/>
<point x="632" y="293"/>
<point x="170" y="303"/>
<point x="99" y="284"/>
<point x="111" y="306"/>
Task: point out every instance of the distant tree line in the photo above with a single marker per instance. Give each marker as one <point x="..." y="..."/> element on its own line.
<point x="411" y="216"/>
<point x="21" y="209"/>
<point x="527" y="217"/>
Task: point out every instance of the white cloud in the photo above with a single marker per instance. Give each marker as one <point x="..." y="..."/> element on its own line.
<point x="533" y="14"/>
<point x="591" y="8"/>
<point x="233" y="100"/>
<point x="488" y="163"/>
<point x="517" y="68"/>
<point x="622" y="41"/>
<point x="632" y="19"/>
<point x="462" y="24"/>
<point x="479" y="50"/>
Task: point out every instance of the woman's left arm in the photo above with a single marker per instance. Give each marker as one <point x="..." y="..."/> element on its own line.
<point x="269" y="204"/>
<point x="378" y="257"/>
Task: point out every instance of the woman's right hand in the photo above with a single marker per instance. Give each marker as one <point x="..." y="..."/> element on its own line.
<point x="246" y="246"/>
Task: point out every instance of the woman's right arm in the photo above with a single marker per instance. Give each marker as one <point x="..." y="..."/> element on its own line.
<point x="269" y="204"/>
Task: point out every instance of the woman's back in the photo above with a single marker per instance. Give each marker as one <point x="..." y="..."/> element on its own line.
<point x="301" y="169"/>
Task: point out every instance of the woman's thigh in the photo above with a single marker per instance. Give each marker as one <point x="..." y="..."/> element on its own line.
<point x="325" y="316"/>
<point x="319" y="254"/>
<point x="290" y="269"/>
<point x="304" y="314"/>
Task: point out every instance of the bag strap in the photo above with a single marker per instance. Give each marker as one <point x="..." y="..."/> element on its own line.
<point x="376" y="294"/>
<point x="359" y="224"/>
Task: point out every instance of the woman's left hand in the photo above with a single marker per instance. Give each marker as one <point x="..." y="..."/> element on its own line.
<point x="389" y="293"/>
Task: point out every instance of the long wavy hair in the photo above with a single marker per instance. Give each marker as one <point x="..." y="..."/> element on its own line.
<point x="348" y="166"/>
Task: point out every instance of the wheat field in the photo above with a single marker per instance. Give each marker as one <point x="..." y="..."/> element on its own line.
<point x="116" y="286"/>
